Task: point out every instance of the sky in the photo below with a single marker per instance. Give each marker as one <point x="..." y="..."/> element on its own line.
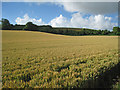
<point x="94" y="15"/>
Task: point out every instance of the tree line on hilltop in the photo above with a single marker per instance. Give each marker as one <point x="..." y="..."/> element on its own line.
<point x="5" y="25"/>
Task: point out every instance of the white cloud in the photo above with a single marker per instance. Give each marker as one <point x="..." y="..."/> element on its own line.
<point x="93" y="21"/>
<point x="26" y="19"/>
<point x="59" y="22"/>
<point x="77" y="20"/>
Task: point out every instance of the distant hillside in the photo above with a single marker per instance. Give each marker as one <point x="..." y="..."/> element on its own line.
<point x="80" y="31"/>
<point x="58" y="30"/>
<point x="69" y="28"/>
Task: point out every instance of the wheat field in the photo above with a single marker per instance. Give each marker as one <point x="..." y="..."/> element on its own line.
<point x="43" y="60"/>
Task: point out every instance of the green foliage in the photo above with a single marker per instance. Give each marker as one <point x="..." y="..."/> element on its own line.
<point x="116" y="30"/>
<point x="0" y="26"/>
<point x="117" y="85"/>
<point x="63" y="31"/>
<point x="30" y="26"/>
<point x="105" y="32"/>
<point x="5" y="24"/>
<point x="44" y="28"/>
<point x="18" y="27"/>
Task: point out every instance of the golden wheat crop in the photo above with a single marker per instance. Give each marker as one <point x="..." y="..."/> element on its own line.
<point x="37" y="59"/>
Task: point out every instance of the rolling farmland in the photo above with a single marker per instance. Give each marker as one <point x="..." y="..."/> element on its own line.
<point x="42" y="60"/>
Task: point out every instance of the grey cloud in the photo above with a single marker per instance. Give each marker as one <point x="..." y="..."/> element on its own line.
<point x="91" y="7"/>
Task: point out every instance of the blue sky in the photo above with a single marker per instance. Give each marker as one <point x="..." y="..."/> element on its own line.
<point x="46" y="11"/>
<point x="80" y="15"/>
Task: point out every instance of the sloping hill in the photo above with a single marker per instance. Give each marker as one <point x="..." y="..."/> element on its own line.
<point x="37" y="59"/>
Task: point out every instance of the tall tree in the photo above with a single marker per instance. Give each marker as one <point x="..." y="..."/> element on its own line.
<point x="5" y="24"/>
<point x="116" y="30"/>
<point x="30" y="26"/>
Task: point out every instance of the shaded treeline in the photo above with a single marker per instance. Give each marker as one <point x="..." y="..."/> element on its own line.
<point x="64" y="31"/>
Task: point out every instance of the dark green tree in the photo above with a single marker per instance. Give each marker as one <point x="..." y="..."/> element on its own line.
<point x="30" y="26"/>
<point x="6" y="24"/>
<point x="116" y="30"/>
<point x="105" y="32"/>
